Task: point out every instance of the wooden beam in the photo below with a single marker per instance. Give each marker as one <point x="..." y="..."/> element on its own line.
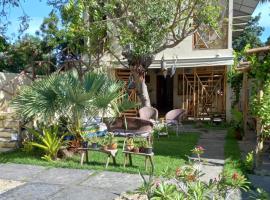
<point x="259" y="50"/>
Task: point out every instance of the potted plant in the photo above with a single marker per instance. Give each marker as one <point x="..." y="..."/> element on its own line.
<point x="237" y="123"/>
<point x="148" y="148"/>
<point x="84" y="140"/>
<point x="111" y="141"/>
<point x="104" y="144"/>
<point x="142" y="144"/>
<point x="129" y="144"/>
<point x="136" y="149"/>
<point x="94" y="142"/>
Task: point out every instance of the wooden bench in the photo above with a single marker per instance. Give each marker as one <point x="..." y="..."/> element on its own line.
<point x="128" y="155"/>
<point x="110" y="153"/>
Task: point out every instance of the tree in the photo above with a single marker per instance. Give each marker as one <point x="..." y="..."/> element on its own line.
<point x="250" y="35"/>
<point x="141" y="29"/>
<point x="4" y="21"/>
<point x="267" y="41"/>
<point x="24" y="52"/>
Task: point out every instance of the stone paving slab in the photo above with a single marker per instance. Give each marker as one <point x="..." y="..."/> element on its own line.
<point x="31" y="191"/>
<point x="6" y="185"/>
<point x="59" y="183"/>
<point x="19" y="172"/>
<point x="83" y="193"/>
<point x="260" y="181"/>
<point x="114" y="182"/>
<point x="62" y="176"/>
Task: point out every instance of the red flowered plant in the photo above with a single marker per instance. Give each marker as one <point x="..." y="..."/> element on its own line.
<point x="198" y="150"/>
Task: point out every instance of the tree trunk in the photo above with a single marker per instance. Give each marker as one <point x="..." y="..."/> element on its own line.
<point x="259" y="129"/>
<point x="259" y="152"/>
<point x="141" y="87"/>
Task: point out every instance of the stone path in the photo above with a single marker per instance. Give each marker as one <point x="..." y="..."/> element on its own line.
<point x="36" y="182"/>
<point x="213" y="142"/>
<point x="213" y="158"/>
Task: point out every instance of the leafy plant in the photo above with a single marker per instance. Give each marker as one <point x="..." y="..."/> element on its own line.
<point x="165" y="191"/>
<point x="188" y="185"/>
<point x="260" y="194"/>
<point x="237" y="119"/>
<point x="71" y="97"/>
<point x="249" y="161"/>
<point x="110" y="139"/>
<point x="147" y="187"/>
<point x="94" y="139"/>
<point x="49" y="142"/>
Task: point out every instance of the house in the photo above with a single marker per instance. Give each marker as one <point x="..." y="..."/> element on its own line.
<point x="195" y="78"/>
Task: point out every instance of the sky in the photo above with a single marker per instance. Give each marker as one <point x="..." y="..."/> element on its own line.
<point x="38" y="9"/>
<point x="264" y="9"/>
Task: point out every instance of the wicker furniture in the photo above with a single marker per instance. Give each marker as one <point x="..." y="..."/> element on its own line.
<point x="174" y="117"/>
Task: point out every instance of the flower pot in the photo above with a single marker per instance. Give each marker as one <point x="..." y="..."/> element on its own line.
<point x="94" y="145"/>
<point x="148" y="150"/>
<point x="129" y="147"/>
<point x="85" y="144"/>
<point x="136" y="150"/>
<point x="104" y="147"/>
<point x="113" y="146"/>
<point x="69" y="137"/>
<point x="141" y="150"/>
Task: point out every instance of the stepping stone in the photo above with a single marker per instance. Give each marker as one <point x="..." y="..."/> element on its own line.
<point x="6" y="185"/>
<point x="19" y="172"/>
<point x="31" y="191"/>
<point x="260" y="181"/>
<point x="62" y="176"/>
<point x="83" y="193"/>
<point x="114" y="182"/>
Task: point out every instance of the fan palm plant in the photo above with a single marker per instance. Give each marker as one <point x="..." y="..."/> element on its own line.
<point x="70" y="96"/>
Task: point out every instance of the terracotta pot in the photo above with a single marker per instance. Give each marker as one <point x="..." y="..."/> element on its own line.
<point x="113" y="146"/>
<point x="136" y="150"/>
<point x="129" y="147"/>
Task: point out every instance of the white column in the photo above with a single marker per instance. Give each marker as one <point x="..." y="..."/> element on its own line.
<point x="230" y="24"/>
<point x="228" y="98"/>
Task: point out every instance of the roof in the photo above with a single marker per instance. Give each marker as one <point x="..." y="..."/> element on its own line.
<point x="242" y="11"/>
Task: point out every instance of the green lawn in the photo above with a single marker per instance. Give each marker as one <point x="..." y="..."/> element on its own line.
<point x="169" y="152"/>
<point x="233" y="162"/>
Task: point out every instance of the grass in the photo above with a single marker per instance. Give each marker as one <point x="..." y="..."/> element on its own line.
<point x="233" y="162"/>
<point x="169" y="152"/>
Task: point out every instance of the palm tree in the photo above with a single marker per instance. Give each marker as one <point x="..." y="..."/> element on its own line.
<point x="264" y="1"/>
<point x="72" y="97"/>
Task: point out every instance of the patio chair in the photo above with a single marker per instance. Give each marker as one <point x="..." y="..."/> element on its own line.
<point x="149" y="113"/>
<point x="174" y="117"/>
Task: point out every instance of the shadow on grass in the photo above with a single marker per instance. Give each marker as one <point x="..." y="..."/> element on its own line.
<point x="170" y="152"/>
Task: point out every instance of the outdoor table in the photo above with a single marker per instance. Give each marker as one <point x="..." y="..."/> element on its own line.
<point x="128" y="154"/>
<point x="110" y="152"/>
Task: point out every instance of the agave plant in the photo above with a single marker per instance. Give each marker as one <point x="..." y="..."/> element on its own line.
<point x="72" y="97"/>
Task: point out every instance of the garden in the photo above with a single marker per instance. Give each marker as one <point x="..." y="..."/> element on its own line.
<point x="74" y="112"/>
